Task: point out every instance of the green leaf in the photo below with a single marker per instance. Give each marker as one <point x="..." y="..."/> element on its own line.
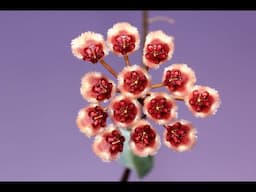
<point x="142" y="165"/>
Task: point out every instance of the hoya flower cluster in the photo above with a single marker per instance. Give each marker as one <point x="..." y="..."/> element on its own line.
<point x="132" y="101"/>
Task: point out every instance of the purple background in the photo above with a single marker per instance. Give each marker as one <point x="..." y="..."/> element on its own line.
<point x="39" y="98"/>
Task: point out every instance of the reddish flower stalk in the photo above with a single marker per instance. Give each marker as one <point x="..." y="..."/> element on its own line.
<point x="126" y="60"/>
<point x="158" y="85"/>
<point x="108" y="67"/>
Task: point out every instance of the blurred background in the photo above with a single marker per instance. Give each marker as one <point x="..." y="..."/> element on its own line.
<point x="40" y="98"/>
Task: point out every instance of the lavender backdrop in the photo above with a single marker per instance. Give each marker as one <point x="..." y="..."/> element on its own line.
<point x="39" y="97"/>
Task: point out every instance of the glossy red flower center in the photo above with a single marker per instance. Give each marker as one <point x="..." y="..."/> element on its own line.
<point x="124" y="111"/>
<point x="159" y="108"/>
<point x="177" y="134"/>
<point x="93" y="53"/>
<point x="98" y="117"/>
<point x="123" y="43"/>
<point x="201" y="101"/>
<point x="144" y="136"/>
<point x="135" y="82"/>
<point x="102" y="89"/>
<point x="175" y="80"/>
<point x="116" y="141"/>
<point x="157" y="52"/>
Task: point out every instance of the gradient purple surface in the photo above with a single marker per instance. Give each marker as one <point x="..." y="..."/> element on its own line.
<point x="39" y="99"/>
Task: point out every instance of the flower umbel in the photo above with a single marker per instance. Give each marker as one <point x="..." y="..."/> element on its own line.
<point x="133" y="100"/>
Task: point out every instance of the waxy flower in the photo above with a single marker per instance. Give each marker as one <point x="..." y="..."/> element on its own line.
<point x="158" y="49"/>
<point x="89" y="46"/>
<point x="124" y="111"/>
<point x="96" y="87"/>
<point x="92" y="119"/>
<point x="160" y="107"/>
<point x="180" y="136"/>
<point x="123" y="39"/>
<point x="203" y="101"/>
<point x="144" y="139"/>
<point x="109" y="144"/>
<point x="179" y="79"/>
<point x="134" y="81"/>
